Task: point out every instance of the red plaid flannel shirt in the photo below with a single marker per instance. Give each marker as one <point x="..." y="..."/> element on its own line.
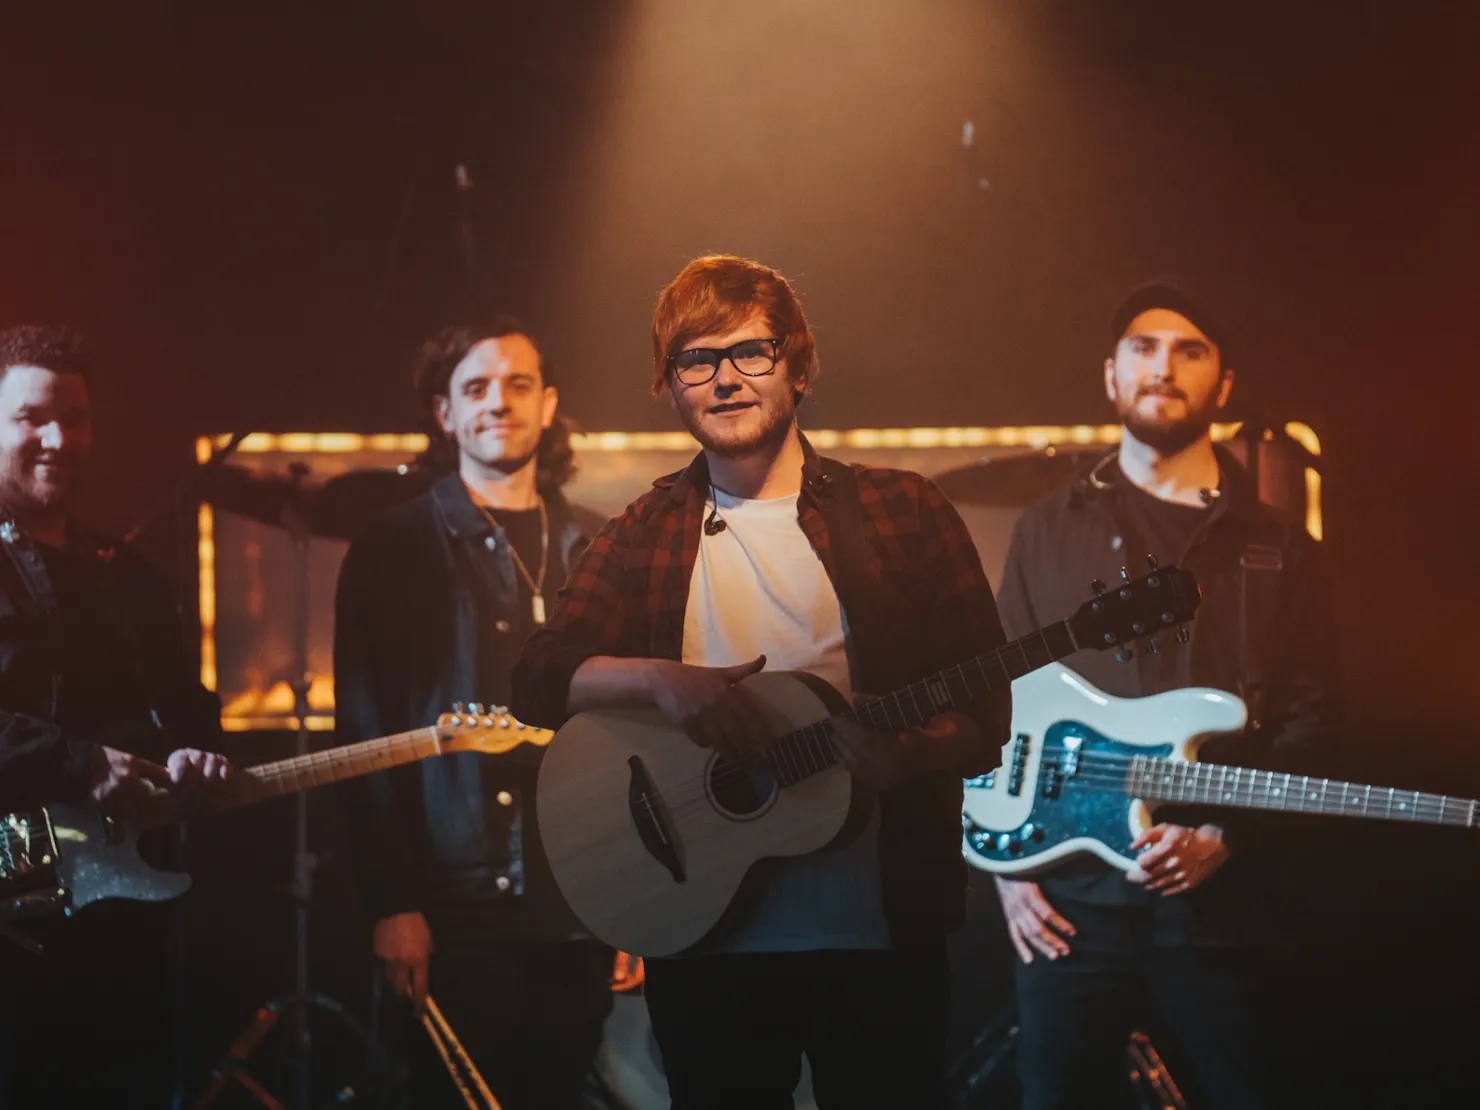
<point x="627" y="595"/>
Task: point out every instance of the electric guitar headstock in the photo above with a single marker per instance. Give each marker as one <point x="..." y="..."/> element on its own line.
<point x="1132" y="610"/>
<point x="489" y="730"/>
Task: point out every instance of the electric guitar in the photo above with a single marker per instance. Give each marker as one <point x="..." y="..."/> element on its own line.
<point x="65" y="857"/>
<point x="1069" y="786"/>
<point x="650" y="836"/>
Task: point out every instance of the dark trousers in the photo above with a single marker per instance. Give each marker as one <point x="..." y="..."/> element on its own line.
<point x="1076" y="1015"/>
<point x="732" y="1028"/>
<point x="88" y="1023"/>
<point x="529" y="1016"/>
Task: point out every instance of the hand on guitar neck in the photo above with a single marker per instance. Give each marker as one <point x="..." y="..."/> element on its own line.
<point x="128" y="786"/>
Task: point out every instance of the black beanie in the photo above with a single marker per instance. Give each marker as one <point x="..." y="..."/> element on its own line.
<point x="1161" y="295"/>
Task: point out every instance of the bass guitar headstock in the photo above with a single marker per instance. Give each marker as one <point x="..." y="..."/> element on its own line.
<point x="1117" y="616"/>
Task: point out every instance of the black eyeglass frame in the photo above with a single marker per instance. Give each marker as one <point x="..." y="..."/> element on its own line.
<point x="724" y="353"/>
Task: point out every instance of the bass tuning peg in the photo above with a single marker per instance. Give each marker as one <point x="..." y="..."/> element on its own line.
<point x="1125" y="654"/>
<point x="1184" y="634"/>
<point x="1152" y="562"/>
<point x="1098" y="586"/>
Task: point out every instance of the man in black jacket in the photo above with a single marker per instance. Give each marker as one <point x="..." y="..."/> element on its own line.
<point x="1181" y="926"/>
<point x="434" y="604"/>
<point x="96" y="695"/>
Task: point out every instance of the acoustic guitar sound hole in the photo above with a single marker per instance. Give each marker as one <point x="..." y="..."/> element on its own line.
<point x="740" y="790"/>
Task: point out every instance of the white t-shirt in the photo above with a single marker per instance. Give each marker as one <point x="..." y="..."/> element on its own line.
<point x="759" y="589"/>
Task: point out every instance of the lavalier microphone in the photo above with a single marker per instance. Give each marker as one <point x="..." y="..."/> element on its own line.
<point x="714" y="525"/>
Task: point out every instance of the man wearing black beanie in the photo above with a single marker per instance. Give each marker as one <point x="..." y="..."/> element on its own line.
<point x="1179" y="931"/>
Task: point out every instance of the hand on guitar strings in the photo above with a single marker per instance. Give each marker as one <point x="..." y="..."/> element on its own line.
<point x="709" y="705"/>
<point x="1175" y="859"/>
<point x="1032" y="923"/>
<point x="128" y="786"/>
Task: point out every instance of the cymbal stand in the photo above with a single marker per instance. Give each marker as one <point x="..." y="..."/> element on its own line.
<point x="298" y="1006"/>
<point x="304" y="861"/>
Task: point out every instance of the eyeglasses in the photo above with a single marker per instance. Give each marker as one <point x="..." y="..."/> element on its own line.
<point x="754" y="358"/>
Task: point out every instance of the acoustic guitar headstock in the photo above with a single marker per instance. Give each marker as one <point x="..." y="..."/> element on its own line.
<point x="1117" y="616"/>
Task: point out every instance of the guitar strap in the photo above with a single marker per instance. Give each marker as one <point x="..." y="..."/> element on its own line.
<point x="1259" y="571"/>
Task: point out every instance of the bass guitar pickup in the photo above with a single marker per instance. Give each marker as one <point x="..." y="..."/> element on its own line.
<point x="1018" y="765"/>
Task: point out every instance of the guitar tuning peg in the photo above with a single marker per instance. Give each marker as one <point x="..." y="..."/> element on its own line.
<point x="1151" y="562"/>
<point x="476" y="709"/>
<point x="1098" y="585"/>
<point x="457" y="708"/>
<point x="500" y="710"/>
<point x="1125" y="654"/>
<point x="1184" y="634"/>
<point x="1125" y="574"/>
<point x="1152" y="646"/>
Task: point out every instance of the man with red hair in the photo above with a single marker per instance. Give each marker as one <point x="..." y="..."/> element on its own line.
<point x="739" y="563"/>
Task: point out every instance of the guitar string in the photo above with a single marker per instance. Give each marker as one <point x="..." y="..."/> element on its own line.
<point x="1106" y="771"/>
<point x="681" y="795"/>
<point x="1295" y="798"/>
<point x="1115" y="770"/>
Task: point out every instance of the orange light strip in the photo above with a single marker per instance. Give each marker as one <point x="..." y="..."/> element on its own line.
<point x="205" y="554"/>
<point x="1037" y="437"/>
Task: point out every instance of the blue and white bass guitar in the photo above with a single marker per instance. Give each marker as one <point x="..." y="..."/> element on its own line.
<point x="1084" y="769"/>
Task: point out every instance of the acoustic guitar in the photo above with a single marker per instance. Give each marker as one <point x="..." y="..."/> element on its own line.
<point x="650" y="837"/>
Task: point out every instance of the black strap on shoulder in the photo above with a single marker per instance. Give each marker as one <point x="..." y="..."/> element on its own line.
<point x="1259" y="572"/>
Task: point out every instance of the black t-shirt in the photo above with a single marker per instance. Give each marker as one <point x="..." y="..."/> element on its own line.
<point x="1164" y="529"/>
<point x="522" y="526"/>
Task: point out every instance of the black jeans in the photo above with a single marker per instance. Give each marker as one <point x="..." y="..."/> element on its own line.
<point x="529" y="1016"/>
<point x="1200" y="1006"/>
<point x="732" y="1028"/>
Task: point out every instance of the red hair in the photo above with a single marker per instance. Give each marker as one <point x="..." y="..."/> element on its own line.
<point x="719" y="293"/>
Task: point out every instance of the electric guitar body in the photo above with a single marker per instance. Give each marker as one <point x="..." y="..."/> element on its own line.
<point x="1043" y="805"/>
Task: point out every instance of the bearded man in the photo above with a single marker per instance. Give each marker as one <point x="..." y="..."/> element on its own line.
<point x="1179" y="932"/>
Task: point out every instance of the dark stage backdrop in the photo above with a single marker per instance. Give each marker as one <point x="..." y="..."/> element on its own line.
<point x="254" y="216"/>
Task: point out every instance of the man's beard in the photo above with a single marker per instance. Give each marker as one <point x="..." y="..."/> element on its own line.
<point x="24" y="497"/>
<point x="1170" y="437"/>
<point x="504" y="463"/>
<point x="771" y="432"/>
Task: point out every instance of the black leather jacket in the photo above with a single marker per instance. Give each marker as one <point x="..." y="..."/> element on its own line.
<point x="91" y="652"/>
<point x="430" y="612"/>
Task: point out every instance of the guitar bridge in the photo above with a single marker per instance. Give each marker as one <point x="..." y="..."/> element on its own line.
<point x="28" y="866"/>
<point x="651" y="821"/>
